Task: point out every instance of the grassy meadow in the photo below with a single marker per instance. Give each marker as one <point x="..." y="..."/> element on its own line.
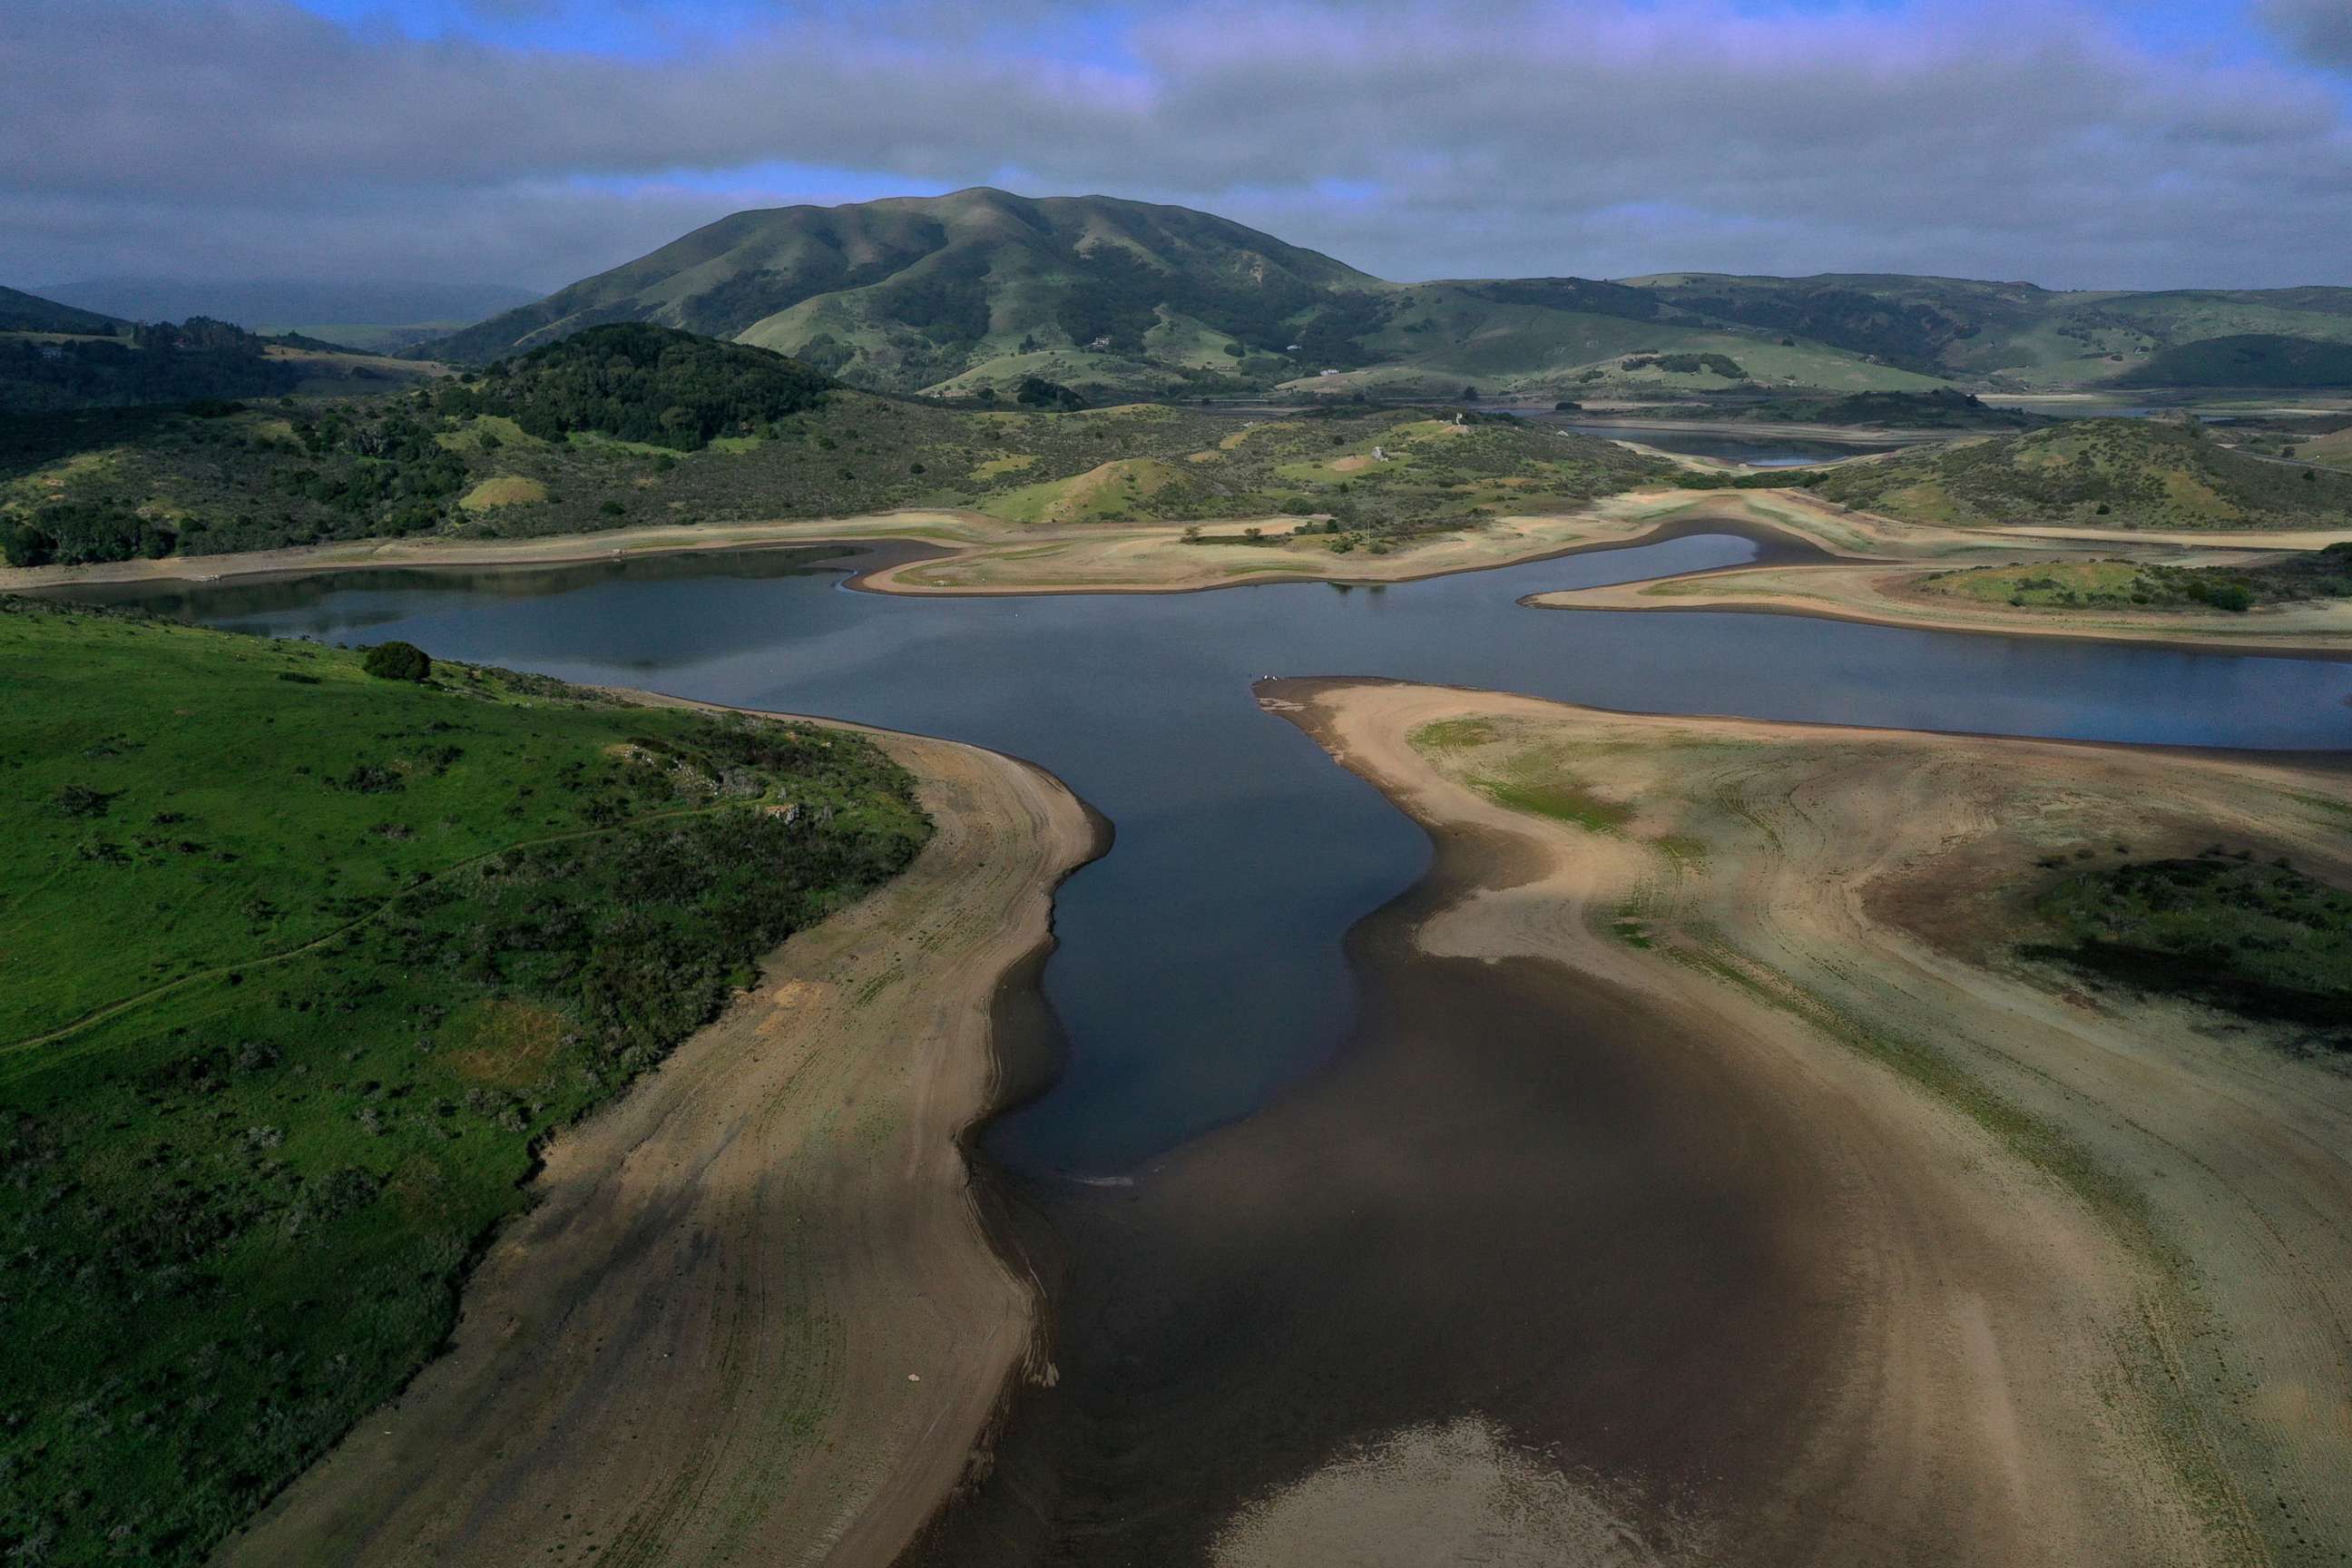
<point x="304" y="964"/>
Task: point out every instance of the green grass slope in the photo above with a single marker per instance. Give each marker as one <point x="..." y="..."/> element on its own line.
<point x="302" y="964"/>
<point x="2099" y="473"/>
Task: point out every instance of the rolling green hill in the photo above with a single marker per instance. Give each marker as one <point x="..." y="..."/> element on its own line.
<point x="295" y="993"/>
<point x="2096" y="473"/>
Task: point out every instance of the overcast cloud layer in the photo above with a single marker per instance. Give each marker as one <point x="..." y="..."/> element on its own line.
<point x="537" y="140"/>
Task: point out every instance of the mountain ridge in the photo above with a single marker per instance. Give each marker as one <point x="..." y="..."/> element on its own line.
<point x="980" y="288"/>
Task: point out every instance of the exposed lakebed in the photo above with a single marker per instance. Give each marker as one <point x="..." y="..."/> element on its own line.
<point x="1515" y="1196"/>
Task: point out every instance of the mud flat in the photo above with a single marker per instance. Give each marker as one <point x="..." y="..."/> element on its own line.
<point x="2013" y="1266"/>
<point x="1792" y="1237"/>
<point x="755" y="1318"/>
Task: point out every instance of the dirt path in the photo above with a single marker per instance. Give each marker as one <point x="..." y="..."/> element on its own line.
<point x="2095" y="1252"/>
<point x="753" y="1318"/>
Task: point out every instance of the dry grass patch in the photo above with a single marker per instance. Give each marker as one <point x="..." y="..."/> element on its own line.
<point x="505" y="490"/>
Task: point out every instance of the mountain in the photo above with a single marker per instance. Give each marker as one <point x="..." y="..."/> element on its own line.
<point x="23" y="313"/>
<point x="981" y="289"/>
<point x="295" y="303"/>
<point x="911" y="292"/>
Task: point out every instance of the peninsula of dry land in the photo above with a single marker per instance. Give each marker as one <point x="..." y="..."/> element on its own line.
<point x="2070" y="1214"/>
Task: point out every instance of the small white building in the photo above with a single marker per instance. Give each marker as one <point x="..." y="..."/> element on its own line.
<point x="1330" y="373"/>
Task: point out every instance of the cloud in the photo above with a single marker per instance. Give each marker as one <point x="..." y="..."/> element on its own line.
<point x="2320" y="30"/>
<point x="1413" y="139"/>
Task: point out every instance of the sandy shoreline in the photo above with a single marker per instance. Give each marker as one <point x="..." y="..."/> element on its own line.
<point x="2116" y="1361"/>
<point x="967" y="554"/>
<point x="755" y="1316"/>
<point x="1874" y="595"/>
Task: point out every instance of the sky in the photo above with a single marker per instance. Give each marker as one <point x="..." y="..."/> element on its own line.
<point x="2080" y="143"/>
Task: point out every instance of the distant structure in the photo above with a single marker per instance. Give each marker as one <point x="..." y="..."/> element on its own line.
<point x="1330" y="373"/>
<point x="1290" y="348"/>
<point x="1380" y="455"/>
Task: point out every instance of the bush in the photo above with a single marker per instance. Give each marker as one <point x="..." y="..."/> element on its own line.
<point x="1036" y="392"/>
<point x="397" y="661"/>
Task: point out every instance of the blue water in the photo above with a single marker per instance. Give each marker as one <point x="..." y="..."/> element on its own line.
<point x="1200" y="966"/>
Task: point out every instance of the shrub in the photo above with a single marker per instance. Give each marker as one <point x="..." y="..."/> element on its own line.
<point x="397" y="661"/>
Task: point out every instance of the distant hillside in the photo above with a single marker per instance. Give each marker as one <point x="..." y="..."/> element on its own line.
<point x="23" y="313"/>
<point x="631" y="424"/>
<point x="2252" y="359"/>
<point x="291" y="303"/>
<point x="2096" y="473"/>
<point x="196" y="361"/>
<point x="2013" y="334"/>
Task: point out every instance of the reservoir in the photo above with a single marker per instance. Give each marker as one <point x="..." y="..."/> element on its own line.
<point x="1199" y="966"/>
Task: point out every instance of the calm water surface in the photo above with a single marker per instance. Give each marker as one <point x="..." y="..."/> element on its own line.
<point x="1200" y="966"/>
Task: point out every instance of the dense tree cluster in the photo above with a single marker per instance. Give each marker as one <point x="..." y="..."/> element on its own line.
<point x="1036" y="392"/>
<point x="641" y="383"/>
<point x="198" y="359"/>
<point x="77" y="533"/>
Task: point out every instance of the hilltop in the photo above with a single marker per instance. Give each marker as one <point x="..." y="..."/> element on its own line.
<point x="2095" y="473"/>
<point x="980" y="288"/>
